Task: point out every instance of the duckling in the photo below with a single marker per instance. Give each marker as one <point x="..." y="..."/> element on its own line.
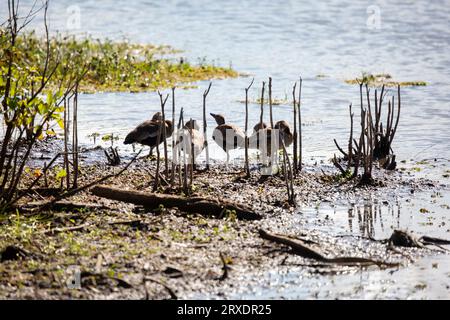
<point x="146" y="133"/>
<point x="259" y="126"/>
<point x="285" y="132"/>
<point x="263" y="138"/>
<point x="190" y="130"/>
<point x="227" y="136"/>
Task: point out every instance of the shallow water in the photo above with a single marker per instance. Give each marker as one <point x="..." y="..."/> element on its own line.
<point x="285" y="41"/>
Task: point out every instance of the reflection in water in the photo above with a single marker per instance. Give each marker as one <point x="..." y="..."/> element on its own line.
<point x="368" y="220"/>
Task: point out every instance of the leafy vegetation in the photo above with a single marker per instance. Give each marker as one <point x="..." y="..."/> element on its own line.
<point x="377" y="80"/>
<point x="34" y="87"/>
<point x="113" y="66"/>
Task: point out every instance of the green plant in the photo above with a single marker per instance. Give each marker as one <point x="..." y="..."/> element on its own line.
<point x="29" y="106"/>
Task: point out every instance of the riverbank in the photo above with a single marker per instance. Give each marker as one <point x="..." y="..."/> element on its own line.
<point x="125" y="251"/>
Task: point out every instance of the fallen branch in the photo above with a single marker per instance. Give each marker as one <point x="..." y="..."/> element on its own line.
<point x="305" y="251"/>
<point x="173" y="296"/>
<point x="89" y="185"/>
<point x="205" y="206"/>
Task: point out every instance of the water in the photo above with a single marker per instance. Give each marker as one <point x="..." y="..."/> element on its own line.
<point x="285" y="41"/>
<point x="297" y="38"/>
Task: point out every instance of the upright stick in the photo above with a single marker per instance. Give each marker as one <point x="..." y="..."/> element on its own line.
<point x="161" y="131"/>
<point x="75" y="139"/>
<point x="185" y="180"/>
<point x="66" y="148"/>
<point x="172" y="178"/>
<point x="350" y="140"/>
<point x="205" y="94"/>
<point x="300" y="135"/>
<point x="295" y="130"/>
<point x="180" y="178"/>
<point x="164" y="134"/>
<point x="191" y="135"/>
<point x="261" y="116"/>
<point x="270" y="102"/>
<point x="247" y="167"/>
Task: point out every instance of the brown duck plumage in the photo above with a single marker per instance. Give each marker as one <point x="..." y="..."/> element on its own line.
<point x="227" y="136"/>
<point x="190" y="130"/>
<point x="146" y="133"/>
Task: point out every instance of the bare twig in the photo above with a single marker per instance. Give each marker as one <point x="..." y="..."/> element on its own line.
<point x="270" y="101"/>
<point x="295" y="130"/>
<point x="172" y="177"/>
<point x="300" y="135"/>
<point x="205" y="94"/>
<point x="247" y="167"/>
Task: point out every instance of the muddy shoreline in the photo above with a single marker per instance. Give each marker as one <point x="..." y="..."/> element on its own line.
<point x="127" y="252"/>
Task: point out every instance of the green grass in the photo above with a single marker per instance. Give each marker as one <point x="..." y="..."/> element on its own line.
<point x="377" y="80"/>
<point x="113" y="66"/>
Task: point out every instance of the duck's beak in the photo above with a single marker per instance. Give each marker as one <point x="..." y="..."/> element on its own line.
<point x="213" y="115"/>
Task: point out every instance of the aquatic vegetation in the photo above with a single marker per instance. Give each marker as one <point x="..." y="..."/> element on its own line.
<point x="113" y="66"/>
<point x="275" y="101"/>
<point x="378" y="80"/>
<point x="375" y="138"/>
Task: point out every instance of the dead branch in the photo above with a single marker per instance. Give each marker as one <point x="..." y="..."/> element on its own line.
<point x="261" y="115"/>
<point x="112" y="155"/>
<point x="270" y="102"/>
<point x="172" y="177"/>
<point x="247" y="166"/>
<point x="201" y="205"/>
<point x="205" y="94"/>
<point x="303" y="250"/>
<point x="72" y="192"/>
<point x="295" y="130"/>
<point x="338" y="165"/>
<point x="300" y="136"/>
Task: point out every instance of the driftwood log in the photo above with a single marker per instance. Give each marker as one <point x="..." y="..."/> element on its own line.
<point x="303" y="250"/>
<point x="201" y="205"/>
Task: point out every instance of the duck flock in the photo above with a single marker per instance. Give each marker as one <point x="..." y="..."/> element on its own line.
<point x="191" y="141"/>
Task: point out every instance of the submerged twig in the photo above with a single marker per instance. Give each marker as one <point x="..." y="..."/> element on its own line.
<point x="305" y="251"/>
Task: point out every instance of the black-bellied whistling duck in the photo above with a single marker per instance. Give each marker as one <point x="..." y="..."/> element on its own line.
<point x="285" y="132"/>
<point x="146" y="133"/>
<point x="259" y="126"/>
<point x="227" y="136"/>
<point x="191" y="130"/>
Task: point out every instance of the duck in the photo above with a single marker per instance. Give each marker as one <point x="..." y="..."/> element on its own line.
<point x="282" y="128"/>
<point x="227" y="136"/>
<point x="261" y="140"/>
<point x="259" y="126"/>
<point x="190" y="130"/>
<point x="285" y="132"/>
<point x="146" y="133"/>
